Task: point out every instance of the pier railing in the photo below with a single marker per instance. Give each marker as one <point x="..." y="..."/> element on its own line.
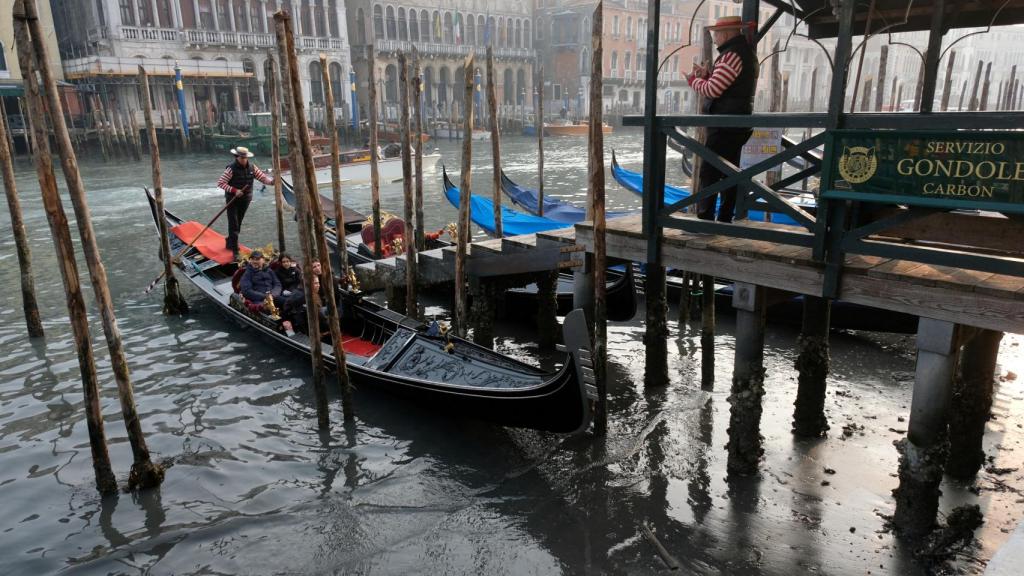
<point x="888" y="189"/>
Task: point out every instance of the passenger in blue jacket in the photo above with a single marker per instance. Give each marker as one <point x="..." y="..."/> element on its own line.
<point x="258" y="280"/>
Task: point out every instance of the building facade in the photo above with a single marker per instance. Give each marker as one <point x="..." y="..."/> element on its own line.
<point x="444" y="36"/>
<point x="221" y="46"/>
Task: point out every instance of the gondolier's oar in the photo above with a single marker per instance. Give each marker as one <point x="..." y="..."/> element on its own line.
<point x="198" y="236"/>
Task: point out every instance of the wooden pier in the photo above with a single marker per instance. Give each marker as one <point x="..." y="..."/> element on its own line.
<point x="981" y="299"/>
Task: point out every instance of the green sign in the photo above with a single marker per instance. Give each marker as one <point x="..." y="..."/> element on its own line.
<point x="981" y="167"/>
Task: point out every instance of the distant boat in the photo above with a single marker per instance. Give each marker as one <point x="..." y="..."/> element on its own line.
<point x="554" y="209"/>
<point x="355" y="167"/>
<point x="577" y="129"/>
<point x="449" y="132"/>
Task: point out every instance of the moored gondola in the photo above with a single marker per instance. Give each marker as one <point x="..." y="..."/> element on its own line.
<point x="555" y="209"/>
<point x="395" y="353"/>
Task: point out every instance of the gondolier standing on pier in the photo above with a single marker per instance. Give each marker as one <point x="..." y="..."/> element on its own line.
<point x="728" y="88"/>
<point x="236" y="182"/>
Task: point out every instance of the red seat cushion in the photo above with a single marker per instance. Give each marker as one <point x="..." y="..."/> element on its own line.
<point x="211" y="244"/>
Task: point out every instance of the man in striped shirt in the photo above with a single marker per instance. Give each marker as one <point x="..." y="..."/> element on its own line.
<point x="728" y="88"/>
<point x="236" y="182"/>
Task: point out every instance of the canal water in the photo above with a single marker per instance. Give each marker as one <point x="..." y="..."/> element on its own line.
<point x="255" y="489"/>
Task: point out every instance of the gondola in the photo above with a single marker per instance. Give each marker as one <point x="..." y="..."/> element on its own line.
<point x="634" y="182"/>
<point x="621" y="289"/>
<point x="395" y="353"/>
<point x="554" y="209"/>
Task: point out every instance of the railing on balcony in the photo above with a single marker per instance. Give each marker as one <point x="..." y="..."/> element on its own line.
<point x="115" y="66"/>
<point x="150" y="34"/>
<point x="858" y="211"/>
<point x="450" y="50"/>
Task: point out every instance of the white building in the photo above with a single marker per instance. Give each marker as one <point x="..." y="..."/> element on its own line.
<point x="221" y="46"/>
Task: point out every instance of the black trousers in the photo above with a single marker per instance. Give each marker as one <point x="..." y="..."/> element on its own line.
<point x="236" y="212"/>
<point x="727" y="142"/>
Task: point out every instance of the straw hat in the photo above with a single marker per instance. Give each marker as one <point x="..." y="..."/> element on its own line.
<point x="727" y="22"/>
<point x="241" y="151"/>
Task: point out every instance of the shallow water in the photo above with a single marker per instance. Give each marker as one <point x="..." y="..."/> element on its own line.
<point x="255" y="489"/>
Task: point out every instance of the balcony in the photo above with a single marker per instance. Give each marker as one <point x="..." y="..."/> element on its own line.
<point x="229" y="39"/>
<point x="450" y="50"/>
<point x="139" y="34"/>
<point x="93" y="66"/>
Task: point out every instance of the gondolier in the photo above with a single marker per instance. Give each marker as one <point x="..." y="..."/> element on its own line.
<point x="236" y="181"/>
<point x="728" y="88"/>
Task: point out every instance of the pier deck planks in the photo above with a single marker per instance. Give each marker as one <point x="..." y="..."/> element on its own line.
<point x="967" y="297"/>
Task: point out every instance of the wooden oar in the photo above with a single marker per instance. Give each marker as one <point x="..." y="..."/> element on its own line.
<point x="198" y="236"/>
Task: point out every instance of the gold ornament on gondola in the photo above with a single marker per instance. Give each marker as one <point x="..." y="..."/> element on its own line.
<point x="453" y="231"/>
<point x="271" y="308"/>
<point x="397" y="246"/>
<point x="353" y="281"/>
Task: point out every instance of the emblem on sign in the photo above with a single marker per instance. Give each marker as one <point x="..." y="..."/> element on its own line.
<point x="857" y="164"/>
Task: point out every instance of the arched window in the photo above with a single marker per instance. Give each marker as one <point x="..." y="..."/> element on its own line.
<point x="316" y="83"/>
<point x="223" y="17"/>
<point x="520" y="87"/>
<point x="332" y="18"/>
<point x="443" y="84"/>
<point x="437" y="27"/>
<point x="519" y="34"/>
<point x="403" y="33"/>
<point x="527" y="39"/>
<point x="585" y="62"/>
<point x="508" y="33"/>
<point x="428" y="90"/>
<point x="629" y="27"/>
<point x="241" y="22"/>
<point x="390" y="22"/>
<point x="507" y="88"/>
<point x="449" y="37"/>
<point x="336" y="83"/>
<point x="360" y="26"/>
<point x="470" y="37"/>
<point x="391" y="83"/>
<point x="628" y="61"/>
<point x="414" y="26"/>
<point x="489" y="33"/>
<point x="270" y="8"/>
<point x="615" y="65"/>
<point x="307" y="18"/>
<point x="480" y="31"/>
<point x="378" y="22"/>
<point x="424" y="26"/>
<point x="499" y="41"/>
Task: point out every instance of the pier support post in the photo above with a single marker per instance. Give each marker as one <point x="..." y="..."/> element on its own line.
<point x="812" y="366"/>
<point x="707" y="333"/>
<point x="656" y="330"/>
<point x="547" y="310"/>
<point x="396" y="295"/>
<point x="583" y="287"/>
<point x="747" y="380"/>
<point x="482" y="311"/>
<point x="923" y="452"/>
<point x="972" y="404"/>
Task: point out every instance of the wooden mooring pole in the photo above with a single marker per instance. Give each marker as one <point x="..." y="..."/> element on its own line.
<point x="174" y="303"/>
<point x="983" y="105"/>
<point x="492" y="107"/>
<point x="539" y="123"/>
<point x="341" y="249"/>
<point x="57" y="219"/>
<point x="28" y="290"/>
<point x="309" y="250"/>
<point x="144" y="473"/>
<point x="595" y="182"/>
<point x="409" y="236"/>
<point x="136" y="139"/>
<point x="374" y="173"/>
<point x="465" y="191"/>
<point x="947" y="83"/>
<point x="883" y="71"/>
<point x="417" y="98"/>
<point x="273" y="79"/>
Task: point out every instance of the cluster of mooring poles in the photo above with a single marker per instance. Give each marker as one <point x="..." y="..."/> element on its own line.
<point x="44" y="107"/>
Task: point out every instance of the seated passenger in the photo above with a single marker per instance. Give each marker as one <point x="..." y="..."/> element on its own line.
<point x="293" y="311"/>
<point x="258" y="281"/>
<point x="289" y="274"/>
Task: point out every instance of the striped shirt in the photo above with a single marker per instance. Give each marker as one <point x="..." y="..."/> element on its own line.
<point x="726" y="70"/>
<point x="222" y="182"/>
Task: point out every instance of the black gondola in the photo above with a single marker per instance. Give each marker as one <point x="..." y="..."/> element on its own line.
<point x="395" y="353"/>
<point x="621" y="292"/>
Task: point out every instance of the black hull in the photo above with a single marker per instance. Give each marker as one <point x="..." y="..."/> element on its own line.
<point x="412" y="364"/>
